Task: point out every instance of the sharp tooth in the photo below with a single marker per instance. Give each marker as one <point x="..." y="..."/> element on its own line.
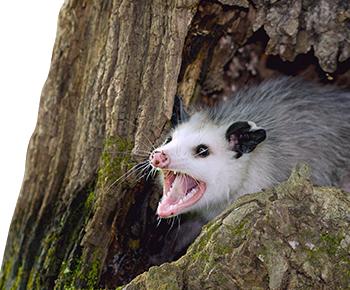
<point x="175" y="172"/>
<point x="192" y="192"/>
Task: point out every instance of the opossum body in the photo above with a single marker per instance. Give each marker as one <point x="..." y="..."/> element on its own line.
<point x="252" y="142"/>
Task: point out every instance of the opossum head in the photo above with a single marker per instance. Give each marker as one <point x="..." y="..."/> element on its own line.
<point x="201" y="163"/>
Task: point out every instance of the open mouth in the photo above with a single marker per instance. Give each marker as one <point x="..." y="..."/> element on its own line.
<point x="180" y="191"/>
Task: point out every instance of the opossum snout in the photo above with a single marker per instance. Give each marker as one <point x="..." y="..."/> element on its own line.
<point x="159" y="159"/>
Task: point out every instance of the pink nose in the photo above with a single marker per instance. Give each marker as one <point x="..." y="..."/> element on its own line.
<point x="159" y="159"/>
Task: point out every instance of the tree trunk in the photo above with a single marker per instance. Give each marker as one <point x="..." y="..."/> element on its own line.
<point x="116" y="67"/>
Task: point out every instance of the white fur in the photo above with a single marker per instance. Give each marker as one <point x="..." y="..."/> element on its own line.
<point x="225" y="176"/>
<point x="303" y="122"/>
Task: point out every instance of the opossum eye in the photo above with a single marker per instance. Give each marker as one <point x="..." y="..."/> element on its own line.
<point x="202" y="150"/>
<point x="168" y="140"/>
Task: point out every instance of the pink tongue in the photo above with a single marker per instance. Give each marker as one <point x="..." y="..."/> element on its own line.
<point x="188" y="183"/>
<point x="181" y="185"/>
<point x="177" y="194"/>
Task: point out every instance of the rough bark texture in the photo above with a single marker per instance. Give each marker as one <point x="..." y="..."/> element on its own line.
<point x="113" y="76"/>
<point x="116" y="67"/>
<point x="294" y="236"/>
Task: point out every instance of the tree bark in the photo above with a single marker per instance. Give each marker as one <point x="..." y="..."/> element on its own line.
<point x="294" y="236"/>
<point x="116" y="67"/>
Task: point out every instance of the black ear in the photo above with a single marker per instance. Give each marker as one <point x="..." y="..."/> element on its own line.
<point x="243" y="137"/>
<point x="179" y="113"/>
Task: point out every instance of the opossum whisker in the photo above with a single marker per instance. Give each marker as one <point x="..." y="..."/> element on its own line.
<point x="144" y="173"/>
<point x="129" y="153"/>
<point x="143" y="170"/>
<point x="127" y="174"/>
<point x="178" y="225"/>
<point x="148" y="174"/>
<point x="152" y="173"/>
<point x="141" y="173"/>
<point x="143" y="150"/>
<point x="197" y="154"/>
<point x="159" y="221"/>
<point x="172" y="224"/>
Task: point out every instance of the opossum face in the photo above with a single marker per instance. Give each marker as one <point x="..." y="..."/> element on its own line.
<point x="202" y="163"/>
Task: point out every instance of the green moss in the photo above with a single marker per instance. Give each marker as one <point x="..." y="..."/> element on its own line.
<point x="210" y="232"/>
<point x="330" y="246"/>
<point x="74" y="269"/>
<point x="198" y="248"/>
<point x="76" y="272"/>
<point x="164" y="277"/>
<point x="64" y="277"/>
<point x="330" y="243"/>
<point x="90" y="201"/>
<point x="68" y="273"/>
<point x="50" y="242"/>
<point x="93" y="275"/>
<point x="33" y="281"/>
<point x="241" y="230"/>
<point x="6" y="270"/>
<point x="114" y="164"/>
<point x="18" y="278"/>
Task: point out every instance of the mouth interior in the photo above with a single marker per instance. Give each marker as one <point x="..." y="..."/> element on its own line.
<point x="180" y="191"/>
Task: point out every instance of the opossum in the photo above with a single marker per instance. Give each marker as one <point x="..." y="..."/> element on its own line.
<point x="252" y="142"/>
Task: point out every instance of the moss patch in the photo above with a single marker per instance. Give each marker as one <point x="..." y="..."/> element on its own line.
<point x="114" y="164"/>
<point x="89" y="203"/>
<point x="6" y="269"/>
<point x="74" y="273"/>
<point x="18" y="279"/>
<point x="330" y="246"/>
<point x="78" y="271"/>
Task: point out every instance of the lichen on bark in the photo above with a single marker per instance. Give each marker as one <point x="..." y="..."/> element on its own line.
<point x="293" y="236"/>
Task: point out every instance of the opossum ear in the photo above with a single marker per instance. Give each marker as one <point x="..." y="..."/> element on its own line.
<point x="179" y="113"/>
<point x="243" y="137"/>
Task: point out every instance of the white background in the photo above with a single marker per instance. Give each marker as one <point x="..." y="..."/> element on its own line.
<point x="27" y="34"/>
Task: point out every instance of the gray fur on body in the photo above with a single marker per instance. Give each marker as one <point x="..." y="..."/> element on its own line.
<point x="304" y="122"/>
